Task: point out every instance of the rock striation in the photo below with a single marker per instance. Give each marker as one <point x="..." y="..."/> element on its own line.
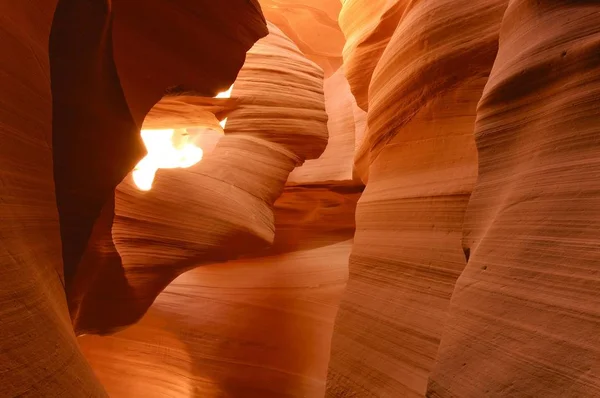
<point x="258" y="326"/>
<point x="215" y="210"/>
<point x="66" y="135"/>
<point x="524" y="317"/>
<point x="419" y="160"/>
<point x="346" y="126"/>
<point x="401" y="204"/>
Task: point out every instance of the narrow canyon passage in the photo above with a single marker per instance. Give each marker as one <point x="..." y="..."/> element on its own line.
<point x="300" y="198"/>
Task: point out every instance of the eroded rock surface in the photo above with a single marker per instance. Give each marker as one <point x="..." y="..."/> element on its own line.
<point x="254" y="327"/>
<point x="346" y="127"/>
<point x="419" y="160"/>
<point x="215" y="210"/>
<point x="524" y="318"/>
<point x="473" y="261"/>
<point x="66" y="137"/>
<point x="312" y="25"/>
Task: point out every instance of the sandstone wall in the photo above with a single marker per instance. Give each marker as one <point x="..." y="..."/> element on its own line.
<point x="419" y="160"/>
<point x="524" y="317"/>
<point x="49" y="141"/>
<point x="254" y="327"/>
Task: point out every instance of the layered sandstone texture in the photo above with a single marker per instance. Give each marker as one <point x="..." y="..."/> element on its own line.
<point x="67" y="136"/>
<point x="346" y="127"/>
<point x="258" y="326"/>
<point x="216" y="210"/>
<point x="525" y="313"/>
<point x="367" y="26"/>
<point x="419" y="160"/>
<point x="466" y="268"/>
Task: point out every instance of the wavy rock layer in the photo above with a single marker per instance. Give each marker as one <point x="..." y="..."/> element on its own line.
<point x="409" y="74"/>
<point x="421" y="166"/>
<point x="215" y="210"/>
<point x="95" y="146"/>
<point x="368" y="26"/>
<point x="254" y="327"/>
<point x="525" y="314"/>
<point x="346" y="123"/>
<point x="312" y="25"/>
<point x="81" y="137"/>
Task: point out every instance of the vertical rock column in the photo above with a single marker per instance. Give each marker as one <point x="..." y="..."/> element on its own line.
<point x="39" y="355"/>
<point x="525" y="315"/>
<point x="420" y="161"/>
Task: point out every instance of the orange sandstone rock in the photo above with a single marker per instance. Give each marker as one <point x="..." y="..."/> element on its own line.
<point x="312" y="26"/>
<point x="255" y="327"/>
<point x="215" y="210"/>
<point x="62" y="152"/>
<point x="345" y="125"/>
<point x="368" y="26"/>
<point x="420" y="164"/>
<point x="525" y="313"/>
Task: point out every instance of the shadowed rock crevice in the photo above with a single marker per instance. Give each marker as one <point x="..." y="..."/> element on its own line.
<point x="95" y="141"/>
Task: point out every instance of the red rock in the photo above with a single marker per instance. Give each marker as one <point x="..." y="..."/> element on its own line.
<point x="345" y="124"/>
<point x="368" y="26"/>
<point x="215" y="210"/>
<point x="255" y="327"/>
<point x="470" y="258"/>
<point x="83" y="129"/>
<point x="312" y="26"/>
<point x="420" y="162"/>
<point x="524" y="318"/>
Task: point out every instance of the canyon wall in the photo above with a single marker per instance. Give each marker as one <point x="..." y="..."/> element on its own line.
<point x="215" y="210"/>
<point x="466" y="268"/>
<point x="522" y="318"/>
<point x="312" y="26"/>
<point x="525" y="312"/>
<point x="420" y="161"/>
<point x="39" y="355"/>
<point x="259" y="325"/>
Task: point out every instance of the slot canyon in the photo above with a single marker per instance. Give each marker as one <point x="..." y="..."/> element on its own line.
<point x="300" y="198"/>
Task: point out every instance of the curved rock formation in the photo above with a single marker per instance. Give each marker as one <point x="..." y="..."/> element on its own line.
<point x="473" y="262"/>
<point x="215" y="210"/>
<point x="89" y="165"/>
<point x="312" y="25"/>
<point x="346" y="124"/>
<point x="197" y="46"/>
<point x="253" y="327"/>
<point x="525" y="313"/>
<point x="39" y="355"/>
<point x="368" y="26"/>
<point x="420" y="161"/>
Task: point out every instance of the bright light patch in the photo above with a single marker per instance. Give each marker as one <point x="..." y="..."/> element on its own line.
<point x="168" y="149"/>
<point x="224" y="94"/>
